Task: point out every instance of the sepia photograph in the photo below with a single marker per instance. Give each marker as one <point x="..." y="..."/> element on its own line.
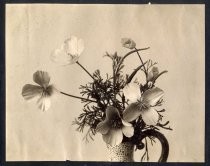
<point x="105" y="82"/>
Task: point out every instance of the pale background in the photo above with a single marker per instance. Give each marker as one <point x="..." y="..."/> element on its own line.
<point x="175" y="34"/>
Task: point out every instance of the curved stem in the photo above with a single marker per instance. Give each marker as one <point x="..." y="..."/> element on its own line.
<point x="136" y="50"/>
<point x="77" y="97"/>
<point x="85" y="70"/>
<point x="134" y="73"/>
<point x="145" y="71"/>
<point x="129" y="53"/>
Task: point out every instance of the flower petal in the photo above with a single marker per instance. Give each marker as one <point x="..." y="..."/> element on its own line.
<point x="153" y="74"/>
<point x="103" y="127"/>
<point x="42" y="78"/>
<point x="74" y="46"/>
<point x="44" y="103"/>
<point x="126" y="123"/>
<point x="150" y="116"/>
<point x="128" y="131"/>
<point x="152" y="96"/>
<point x="30" y="91"/>
<point x="131" y="112"/>
<point x="61" y="57"/>
<point x="132" y="92"/>
<point x="111" y="112"/>
<point x="113" y="137"/>
<point x="128" y="43"/>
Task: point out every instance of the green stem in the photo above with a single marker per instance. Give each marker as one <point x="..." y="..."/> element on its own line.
<point x="85" y="70"/>
<point x="77" y="97"/>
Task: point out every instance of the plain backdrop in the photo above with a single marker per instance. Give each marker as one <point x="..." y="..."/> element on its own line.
<point x="175" y="35"/>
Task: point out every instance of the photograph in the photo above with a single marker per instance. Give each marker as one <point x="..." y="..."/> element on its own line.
<point x="105" y="82"/>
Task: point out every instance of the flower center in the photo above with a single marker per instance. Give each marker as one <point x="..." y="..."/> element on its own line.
<point x="48" y="91"/>
<point x="116" y="122"/>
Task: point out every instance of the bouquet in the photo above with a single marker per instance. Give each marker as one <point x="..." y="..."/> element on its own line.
<point x="117" y="106"/>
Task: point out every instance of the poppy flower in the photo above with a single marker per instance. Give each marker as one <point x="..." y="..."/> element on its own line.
<point x="128" y="43"/>
<point x="43" y="90"/>
<point x="69" y="52"/>
<point x="114" y="127"/>
<point x="143" y="106"/>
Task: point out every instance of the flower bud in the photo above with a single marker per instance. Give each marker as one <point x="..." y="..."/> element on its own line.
<point x="128" y="43"/>
<point x="153" y="74"/>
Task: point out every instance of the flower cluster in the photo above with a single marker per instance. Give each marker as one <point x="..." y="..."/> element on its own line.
<point x="116" y="106"/>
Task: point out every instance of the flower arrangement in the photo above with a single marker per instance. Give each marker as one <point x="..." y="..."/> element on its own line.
<point x="116" y="106"/>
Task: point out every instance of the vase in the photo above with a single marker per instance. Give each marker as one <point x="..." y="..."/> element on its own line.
<point x="122" y="152"/>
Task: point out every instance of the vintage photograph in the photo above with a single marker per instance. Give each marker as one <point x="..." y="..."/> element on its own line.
<point x="115" y="83"/>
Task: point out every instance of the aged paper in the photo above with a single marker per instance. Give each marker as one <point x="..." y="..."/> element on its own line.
<point x="175" y="35"/>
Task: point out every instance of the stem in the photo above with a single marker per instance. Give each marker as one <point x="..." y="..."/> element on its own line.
<point x="131" y="52"/>
<point x="77" y="97"/>
<point x="114" y="81"/>
<point x="85" y="70"/>
<point x="145" y="71"/>
<point x="133" y="73"/>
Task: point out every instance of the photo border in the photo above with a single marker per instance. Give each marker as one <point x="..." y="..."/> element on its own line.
<point x="3" y="161"/>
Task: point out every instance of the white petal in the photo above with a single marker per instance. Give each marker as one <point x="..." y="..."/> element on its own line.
<point x="152" y="96"/>
<point x="42" y="78"/>
<point x="74" y="46"/>
<point x="30" y="91"/>
<point x="128" y="131"/>
<point x="132" y="112"/>
<point x="111" y="112"/>
<point x="126" y="123"/>
<point x="44" y="103"/>
<point x="103" y="127"/>
<point x="60" y="57"/>
<point x="150" y="116"/>
<point x="113" y="137"/>
<point x="132" y="92"/>
<point x="81" y="46"/>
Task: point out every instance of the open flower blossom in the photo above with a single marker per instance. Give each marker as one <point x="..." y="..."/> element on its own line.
<point x="130" y="92"/>
<point x="152" y="75"/>
<point x="113" y="127"/>
<point x="69" y="52"/>
<point x="43" y="90"/>
<point x="143" y="106"/>
<point x="128" y="43"/>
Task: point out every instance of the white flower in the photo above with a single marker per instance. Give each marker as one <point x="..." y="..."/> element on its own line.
<point x="144" y="106"/>
<point x="113" y="127"/>
<point x="131" y="92"/>
<point x="43" y="90"/>
<point x="69" y="52"/>
<point x="128" y="43"/>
